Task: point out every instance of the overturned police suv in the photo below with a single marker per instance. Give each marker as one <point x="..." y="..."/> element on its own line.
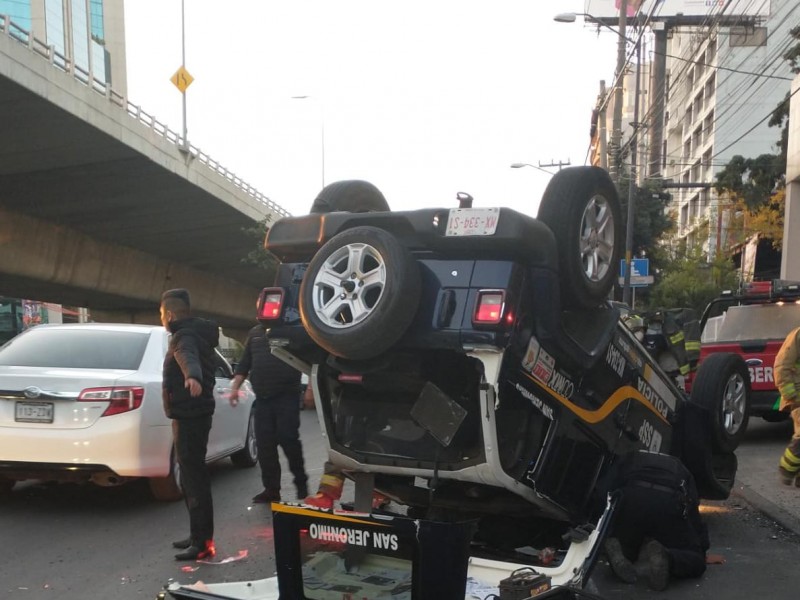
<point x="470" y="360"/>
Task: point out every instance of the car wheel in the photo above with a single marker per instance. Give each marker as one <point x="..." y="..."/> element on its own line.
<point x="168" y="489"/>
<point x="349" y="196"/>
<point x="722" y="386"/>
<point x="247" y="456"/>
<point x="359" y="293"/>
<point x="581" y="207"/>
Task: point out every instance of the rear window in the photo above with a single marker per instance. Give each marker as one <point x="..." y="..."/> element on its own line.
<point x="757" y="322"/>
<point x="75" y="349"/>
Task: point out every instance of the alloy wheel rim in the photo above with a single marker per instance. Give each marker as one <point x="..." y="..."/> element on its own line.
<point x="734" y="404"/>
<point x="349" y="285"/>
<point x="597" y="238"/>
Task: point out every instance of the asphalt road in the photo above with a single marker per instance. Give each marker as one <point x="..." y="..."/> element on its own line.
<point x="82" y="542"/>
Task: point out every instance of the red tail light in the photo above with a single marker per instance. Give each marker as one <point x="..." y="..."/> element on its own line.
<point x="351" y="378"/>
<point x="120" y="399"/>
<point x="489" y="307"/>
<point x="270" y="304"/>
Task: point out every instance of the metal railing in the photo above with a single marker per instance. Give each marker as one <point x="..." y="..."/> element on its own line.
<point x="63" y="63"/>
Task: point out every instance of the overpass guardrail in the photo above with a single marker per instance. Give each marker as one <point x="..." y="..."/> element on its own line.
<point x="65" y="64"/>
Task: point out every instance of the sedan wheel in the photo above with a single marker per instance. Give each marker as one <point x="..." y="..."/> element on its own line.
<point x="168" y="489"/>
<point x="247" y="456"/>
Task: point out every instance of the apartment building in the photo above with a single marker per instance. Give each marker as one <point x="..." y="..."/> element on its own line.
<point x="722" y="84"/>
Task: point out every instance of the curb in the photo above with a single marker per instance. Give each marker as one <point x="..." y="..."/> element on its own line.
<point x="780" y="515"/>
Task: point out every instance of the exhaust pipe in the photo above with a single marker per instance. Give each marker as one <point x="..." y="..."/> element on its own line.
<point x="107" y="479"/>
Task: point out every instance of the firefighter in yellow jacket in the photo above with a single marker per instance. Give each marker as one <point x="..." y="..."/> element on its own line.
<point x="787" y="379"/>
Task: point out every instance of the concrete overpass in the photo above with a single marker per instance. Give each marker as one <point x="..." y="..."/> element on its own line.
<point x="102" y="206"/>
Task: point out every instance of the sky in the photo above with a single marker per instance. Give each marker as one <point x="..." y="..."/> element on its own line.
<point x="424" y="99"/>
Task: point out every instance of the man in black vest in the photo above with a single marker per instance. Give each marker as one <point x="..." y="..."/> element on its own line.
<point x="657" y="521"/>
<point x="277" y="414"/>
<point x="188" y="395"/>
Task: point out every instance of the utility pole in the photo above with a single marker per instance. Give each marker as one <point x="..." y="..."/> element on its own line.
<point x="657" y="99"/>
<point x="616" y="125"/>
<point x="626" y="289"/>
<point x="558" y="164"/>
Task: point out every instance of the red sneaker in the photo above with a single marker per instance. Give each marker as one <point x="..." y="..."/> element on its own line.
<point x="319" y="500"/>
<point x="379" y="500"/>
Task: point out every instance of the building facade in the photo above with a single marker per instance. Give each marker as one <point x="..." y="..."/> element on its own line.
<point x="88" y="33"/>
<point x="722" y="84"/>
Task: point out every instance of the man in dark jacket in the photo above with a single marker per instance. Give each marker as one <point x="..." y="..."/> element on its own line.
<point x="277" y="414"/>
<point x="657" y="520"/>
<point x="188" y="393"/>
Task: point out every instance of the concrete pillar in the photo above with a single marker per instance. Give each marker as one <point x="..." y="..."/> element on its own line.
<point x="657" y="96"/>
<point x="790" y="256"/>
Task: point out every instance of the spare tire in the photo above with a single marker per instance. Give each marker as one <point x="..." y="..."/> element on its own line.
<point x="349" y="196"/>
<point x="359" y="293"/>
<point x="581" y="207"/>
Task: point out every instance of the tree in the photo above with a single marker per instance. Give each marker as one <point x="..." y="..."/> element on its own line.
<point x="259" y="255"/>
<point x="651" y="220"/>
<point x="692" y="282"/>
<point x="752" y="180"/>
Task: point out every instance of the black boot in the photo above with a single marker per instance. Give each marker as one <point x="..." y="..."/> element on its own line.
<point x="182" y="544"/>
<point x="198" y="552"/>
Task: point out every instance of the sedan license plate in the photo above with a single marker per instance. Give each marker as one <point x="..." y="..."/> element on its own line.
<point x="472" y="221"/>
<point x="34" y="412"/>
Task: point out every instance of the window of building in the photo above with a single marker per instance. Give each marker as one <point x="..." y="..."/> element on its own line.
<point x="54" y="28"/>
<point x="96" y="16"/>
<point x="19" y="11"/>
<point x="698" y="104"/>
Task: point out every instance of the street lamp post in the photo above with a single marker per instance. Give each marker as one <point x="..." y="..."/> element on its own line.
<point x="615" y="144"/>
<point x="322" y="133"/>
<point x="183" y="64"/>
<point x="616" y="134"/>
<point x="626" y="287"/>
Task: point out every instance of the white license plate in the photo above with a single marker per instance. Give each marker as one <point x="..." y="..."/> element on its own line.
<point x="472" y="221"/>
<point x="34" y="412"/>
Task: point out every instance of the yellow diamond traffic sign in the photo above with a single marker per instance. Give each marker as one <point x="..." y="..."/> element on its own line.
<point x="182" y="79"/>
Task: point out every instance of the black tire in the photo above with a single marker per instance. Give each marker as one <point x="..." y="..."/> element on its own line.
<point x="722" y="386"/>
<point x="581" y="207"/>
<point x="247" y="456"/>
<point x="344" y="316"/>
<point x="167" y="489"/>
<point x="349" y="196"/>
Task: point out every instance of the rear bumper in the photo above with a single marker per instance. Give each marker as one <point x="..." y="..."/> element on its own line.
<point x="117" y="445"/>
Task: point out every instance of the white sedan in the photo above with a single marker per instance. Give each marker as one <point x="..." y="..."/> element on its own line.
<point x="82" y="402"/>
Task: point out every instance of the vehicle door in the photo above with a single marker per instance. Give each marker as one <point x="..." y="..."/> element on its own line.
<point x="229" y="421"/>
